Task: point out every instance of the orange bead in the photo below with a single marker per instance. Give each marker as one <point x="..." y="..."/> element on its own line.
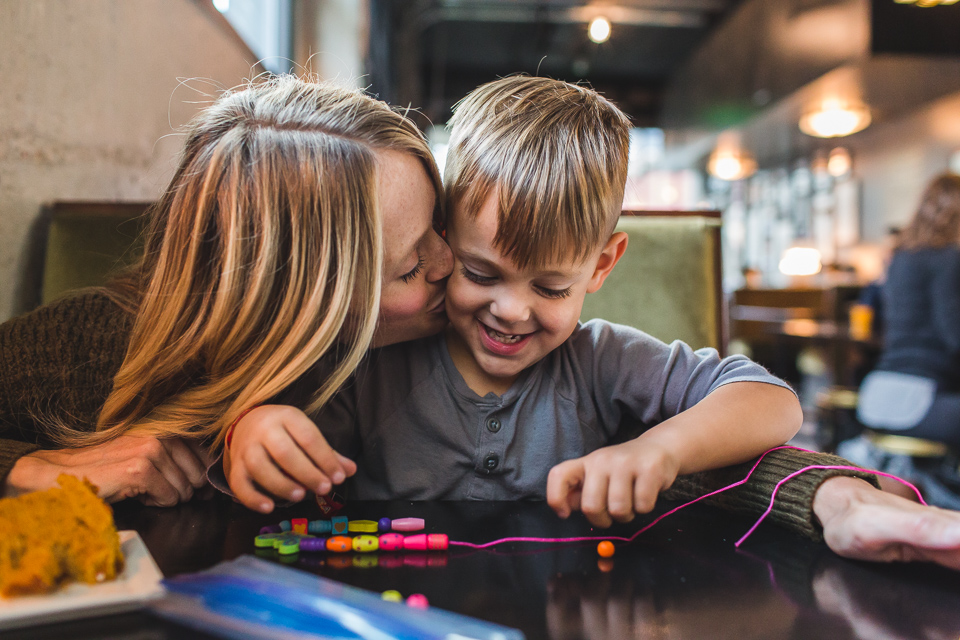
<point x="605" y="549"/>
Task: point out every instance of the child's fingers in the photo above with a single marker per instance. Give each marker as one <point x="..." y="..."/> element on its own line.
<point x="349" y="466"/>
<point x="245" y="490"/>
<point x="593" y="502"/>
<point x="645" y="494"/>
<point x="295" y="463"/>
<point x="620" y="497"/>
<point x="308" y="437"/>
<point x="265" y="471"/>
<point x="563" y="487"/>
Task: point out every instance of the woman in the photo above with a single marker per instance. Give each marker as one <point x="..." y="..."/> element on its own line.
<point x="915" y="389"/>
<point x="298" y="230"/>
<point x="265" y="255"/>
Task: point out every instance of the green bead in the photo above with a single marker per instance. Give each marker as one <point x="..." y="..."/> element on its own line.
<point x="265" y="540"/>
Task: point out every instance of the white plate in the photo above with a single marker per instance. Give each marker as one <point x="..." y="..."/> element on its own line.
<point x="134" y="587"/>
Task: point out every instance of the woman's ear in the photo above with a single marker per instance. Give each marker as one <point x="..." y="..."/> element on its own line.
<point x="612" y="251"/>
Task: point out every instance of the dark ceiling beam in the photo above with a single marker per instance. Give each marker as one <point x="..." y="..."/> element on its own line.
<point x="693" y="18"/>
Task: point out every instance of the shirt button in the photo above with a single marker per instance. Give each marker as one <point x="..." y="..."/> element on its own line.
<point x="491" y="462"/>
<point x="493" y="425"/>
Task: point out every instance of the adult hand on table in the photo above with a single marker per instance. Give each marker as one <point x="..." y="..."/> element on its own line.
<point x="158" y="472"/>
<point x="276" y="451"/>
<point x="866" y="524"/>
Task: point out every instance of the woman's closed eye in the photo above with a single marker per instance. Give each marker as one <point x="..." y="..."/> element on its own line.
<point x="413" y="273"/>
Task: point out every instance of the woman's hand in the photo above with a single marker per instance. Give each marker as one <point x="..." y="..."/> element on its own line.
<point x="612" y="483"/>
<point x="276" y="451"/>
<point x="158" y="472"/>
<point x="866" y="524"/>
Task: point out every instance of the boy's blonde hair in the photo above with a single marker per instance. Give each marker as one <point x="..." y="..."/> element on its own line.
<point x="267" y="239"/>
<point x="554" y="153"/>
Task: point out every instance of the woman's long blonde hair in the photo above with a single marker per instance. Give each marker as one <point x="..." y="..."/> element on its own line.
<point x="936" y="223"/>
<point x="263" y="256"/>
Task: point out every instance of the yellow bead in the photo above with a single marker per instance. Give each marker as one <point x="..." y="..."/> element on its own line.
<point x="364" y="544"/>
<point x="362" y="526"/>
<point x="392" y="596"/>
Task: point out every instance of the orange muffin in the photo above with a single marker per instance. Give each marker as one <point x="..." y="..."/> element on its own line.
<point x="54" y="536"/>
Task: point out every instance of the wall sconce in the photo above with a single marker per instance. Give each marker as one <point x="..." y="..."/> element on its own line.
<point x="800" y="261"/>
<point x="731" y="164"/>
<point x="599" y="30"/>
<point x="835" y="119"/>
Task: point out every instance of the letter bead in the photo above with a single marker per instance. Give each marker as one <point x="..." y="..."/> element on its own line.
<point x="340" y="525"/>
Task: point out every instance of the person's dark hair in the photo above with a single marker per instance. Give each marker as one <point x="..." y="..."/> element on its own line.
<point x="936" y="223"/>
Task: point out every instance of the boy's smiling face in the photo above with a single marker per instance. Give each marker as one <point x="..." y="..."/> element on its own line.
<point x="504" y="319"/>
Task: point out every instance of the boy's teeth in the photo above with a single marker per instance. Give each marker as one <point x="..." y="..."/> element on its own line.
<point x="503" y="337"/>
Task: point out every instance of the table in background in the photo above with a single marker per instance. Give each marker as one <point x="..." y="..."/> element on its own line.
<point x="681" y="579"/>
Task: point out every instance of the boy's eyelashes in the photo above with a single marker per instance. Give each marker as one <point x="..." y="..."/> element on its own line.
<point x="413" y="273"/>
<point x="546" y="292"/>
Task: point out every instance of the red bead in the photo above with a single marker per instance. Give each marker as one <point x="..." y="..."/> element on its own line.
<point x="299" y="525"/>
<point x="391" y="542"/>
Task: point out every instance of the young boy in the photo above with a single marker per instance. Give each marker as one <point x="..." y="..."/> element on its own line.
<point x="517" y="399"/>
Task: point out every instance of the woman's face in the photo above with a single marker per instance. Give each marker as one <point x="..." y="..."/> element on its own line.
<point x="416" y="260"/>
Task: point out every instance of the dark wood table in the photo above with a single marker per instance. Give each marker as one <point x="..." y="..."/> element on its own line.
<point x="681" y="579"/>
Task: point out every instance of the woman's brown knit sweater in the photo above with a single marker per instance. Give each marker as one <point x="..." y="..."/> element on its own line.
<point x="60" y="361"/>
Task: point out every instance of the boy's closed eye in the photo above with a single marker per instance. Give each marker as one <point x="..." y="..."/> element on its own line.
<point x="483" y="280"/>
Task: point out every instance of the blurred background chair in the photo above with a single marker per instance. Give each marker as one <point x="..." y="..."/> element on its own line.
<point x="87" y="241"/>
<point x="668" y="281"/>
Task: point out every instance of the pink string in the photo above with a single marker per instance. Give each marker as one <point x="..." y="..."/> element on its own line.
<point x="773" y="496"/>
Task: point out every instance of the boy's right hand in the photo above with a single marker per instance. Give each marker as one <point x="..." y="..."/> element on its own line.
<point x="278" y="450"/>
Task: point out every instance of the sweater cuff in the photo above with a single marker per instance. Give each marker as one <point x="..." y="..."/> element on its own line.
<point x="793" y="508"/>
<point x="10" y="452"/>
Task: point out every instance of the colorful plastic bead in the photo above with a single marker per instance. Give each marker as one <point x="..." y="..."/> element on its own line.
<point x="391" y="542"/>
<point x="285" y="525"/>
<point x="319" y="526"/>
<point x="418" y="601"/>
<point x="340" y="524"/>
<point x="288" y="545"/>
<point x="266" y="540"/>
<point x="392" y="596"/>
<point x="271" y="528"/>
<point x="365" y="544"/>
<point x="362" y="526"/>
<point x="313" y="544"/>
<point x="383" y="525"/>
<point x="422" y="541"/>
<point x="339" y="543"/>
<point x="407" y="524"/>
<point x="299" y="526"/>
<point x="606" y="549"/>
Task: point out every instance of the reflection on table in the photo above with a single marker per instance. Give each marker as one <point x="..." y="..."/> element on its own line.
<point x="681" y="579"/>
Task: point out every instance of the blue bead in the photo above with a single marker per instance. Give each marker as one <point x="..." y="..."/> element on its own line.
<point x="383" y="525"/>
<point x="285" y="525"/>
<point x="339" y="524"/>
<point x="319" y="526"/>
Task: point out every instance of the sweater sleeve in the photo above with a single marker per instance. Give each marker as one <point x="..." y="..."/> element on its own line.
<point x="793" y="508"/>
<point x="57" y="363"/>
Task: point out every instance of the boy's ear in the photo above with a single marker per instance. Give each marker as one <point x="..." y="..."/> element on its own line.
<point x="611" y="254"/>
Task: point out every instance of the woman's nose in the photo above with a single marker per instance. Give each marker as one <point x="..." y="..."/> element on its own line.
<point x="440" y="260"/>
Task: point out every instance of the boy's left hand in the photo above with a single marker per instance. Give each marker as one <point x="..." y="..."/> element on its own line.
<point x="613" y="483"/>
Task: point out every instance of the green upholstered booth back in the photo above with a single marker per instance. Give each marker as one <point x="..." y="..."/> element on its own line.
<point x="668" y="281"/>
<point x="87" y="241"/>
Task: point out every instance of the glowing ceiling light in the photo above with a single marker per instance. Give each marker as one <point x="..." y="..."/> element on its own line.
<point x="839" y="162"/>
<point x="926" y="3"/>
<point x="599" y="30"/>
<point x="835" y="119"/>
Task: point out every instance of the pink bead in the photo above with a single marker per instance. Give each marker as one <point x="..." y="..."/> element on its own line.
<point x="417" y="542"/>
<point x="437" y="541"/>
<point x="407" y="524"/>
<point x="418" y="601"/>
<point x="391" y="542"/>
